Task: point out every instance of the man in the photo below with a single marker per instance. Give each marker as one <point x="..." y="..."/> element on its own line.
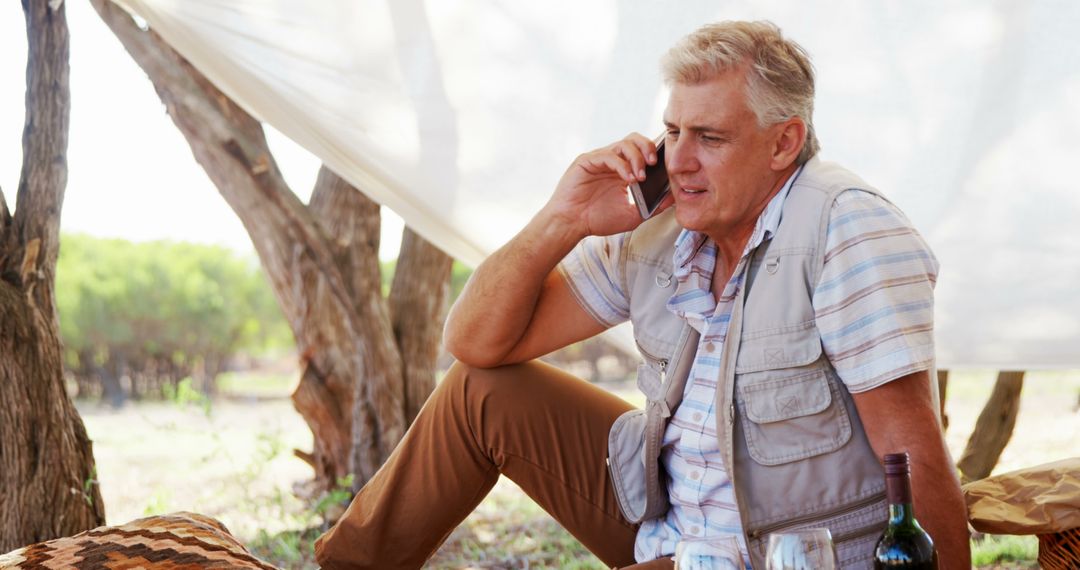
<point x="784" y="310"/>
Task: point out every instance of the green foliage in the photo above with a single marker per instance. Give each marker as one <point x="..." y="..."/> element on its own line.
<point x="161" y="309"/>
<point x="159" y="503"/>
<point x="459" y="275"/>
<point x="88" y="486"/>
<point x="288" y="549"/>
<point x="341" y="495"/>
<point x="256" y="384"/>
<point x="183" y="395"/>
<point x="998" y="549"/>
<point x="294" y="546"/>
<point x="386" y="271"/>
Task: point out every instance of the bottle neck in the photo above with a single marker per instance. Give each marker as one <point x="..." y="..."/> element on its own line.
<point x="901" y="515"/>
<point x="898" y="493"/>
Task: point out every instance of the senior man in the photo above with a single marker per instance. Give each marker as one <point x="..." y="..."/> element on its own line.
<point x="784" y="309"/>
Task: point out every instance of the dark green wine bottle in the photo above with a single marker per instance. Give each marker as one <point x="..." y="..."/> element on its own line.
<point x="904" y="544"/>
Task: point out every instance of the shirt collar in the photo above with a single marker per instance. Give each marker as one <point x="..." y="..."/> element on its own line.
<point x="690" y="243"/>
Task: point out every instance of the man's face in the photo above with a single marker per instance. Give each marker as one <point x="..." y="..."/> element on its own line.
<point x="719" y="161"/>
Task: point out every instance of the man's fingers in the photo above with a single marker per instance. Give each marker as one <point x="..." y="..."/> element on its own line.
<point x="628" y="158"/>
<point x="645" y="146"/>
<point x="609" y="161"/>
<point x="629" y="150"/>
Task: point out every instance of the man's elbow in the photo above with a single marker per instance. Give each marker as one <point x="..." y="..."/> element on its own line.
<point x="467" y="355"/>
<point x="466" y="350"/>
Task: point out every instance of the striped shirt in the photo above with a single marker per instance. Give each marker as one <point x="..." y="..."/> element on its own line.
<point x="874" y="310"/>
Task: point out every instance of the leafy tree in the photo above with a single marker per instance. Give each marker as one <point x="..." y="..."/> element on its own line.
<point x="158" y="312"/>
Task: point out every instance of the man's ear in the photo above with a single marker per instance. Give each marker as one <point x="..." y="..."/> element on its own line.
<point x="790" y="138"/>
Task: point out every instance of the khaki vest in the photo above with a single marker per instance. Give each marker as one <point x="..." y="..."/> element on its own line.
<point x="788" y="426"/>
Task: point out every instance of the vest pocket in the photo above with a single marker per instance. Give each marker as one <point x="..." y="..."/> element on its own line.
<point x="855" y="529"/>
<point x="791" y="417"/>
<point x="626" y="443"/>
<point x="636" y="478"/>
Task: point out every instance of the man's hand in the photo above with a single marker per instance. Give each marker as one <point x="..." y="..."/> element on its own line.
<point x="591" y="197"/>
<point x="900" y="416"/>
<point x="515" y="307"/>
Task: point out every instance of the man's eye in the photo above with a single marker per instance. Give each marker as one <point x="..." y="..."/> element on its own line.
<point x="671" y="134"/>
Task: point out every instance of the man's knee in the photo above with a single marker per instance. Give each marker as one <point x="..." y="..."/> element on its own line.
<point x="479" y="386"/>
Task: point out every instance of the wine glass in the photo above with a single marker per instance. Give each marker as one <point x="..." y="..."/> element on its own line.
<point x="711" y="554"/>
<point x="809" y="549"/>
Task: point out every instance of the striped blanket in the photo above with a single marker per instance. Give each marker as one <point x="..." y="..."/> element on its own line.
<point x="177" y="541"/>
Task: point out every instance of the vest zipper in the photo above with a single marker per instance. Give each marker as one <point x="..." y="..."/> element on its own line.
<point x="758" y="533"/>
<point x="875" y="528"/>
<point x="661" y="362"/>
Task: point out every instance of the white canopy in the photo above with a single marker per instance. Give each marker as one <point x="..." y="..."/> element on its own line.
<point x="460" y="115"/>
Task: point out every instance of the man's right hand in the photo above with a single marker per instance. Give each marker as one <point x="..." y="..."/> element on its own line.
<point x="591" y="197"/>
<point x="516" y="306"/>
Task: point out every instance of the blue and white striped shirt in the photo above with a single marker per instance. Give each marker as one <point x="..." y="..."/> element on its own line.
<point x="874" y="309"/>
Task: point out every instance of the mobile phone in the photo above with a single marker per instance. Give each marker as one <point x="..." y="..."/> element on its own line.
<point x="650" y="192"/>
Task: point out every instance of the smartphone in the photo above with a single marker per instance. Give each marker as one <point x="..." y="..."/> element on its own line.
<point x="649" y="193"/>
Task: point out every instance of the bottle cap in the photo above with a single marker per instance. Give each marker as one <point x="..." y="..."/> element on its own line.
<point x="897" y="464"/>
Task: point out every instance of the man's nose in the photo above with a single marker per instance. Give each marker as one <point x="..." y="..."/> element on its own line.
<point x="679" y="156"/>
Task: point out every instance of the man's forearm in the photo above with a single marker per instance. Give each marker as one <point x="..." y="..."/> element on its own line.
<point x="504" y="306"/>
<point x="901" y="416"/>
<point x="495" y="308"/>
<point x="940" y="509"/>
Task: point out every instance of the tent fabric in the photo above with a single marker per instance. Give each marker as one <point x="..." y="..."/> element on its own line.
<point x="460" y="116"/>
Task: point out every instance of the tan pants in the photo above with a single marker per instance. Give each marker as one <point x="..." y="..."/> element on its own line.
<point x="544" y="429"/>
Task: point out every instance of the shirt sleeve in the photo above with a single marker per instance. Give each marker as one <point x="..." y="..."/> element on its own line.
<point x="596" y="272"/>
<point x="874" y="302"/>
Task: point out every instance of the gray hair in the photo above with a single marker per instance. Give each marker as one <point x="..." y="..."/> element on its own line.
<point x="779" y="75"/>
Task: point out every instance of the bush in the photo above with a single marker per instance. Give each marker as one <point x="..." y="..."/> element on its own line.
<point x="137" y="316"/>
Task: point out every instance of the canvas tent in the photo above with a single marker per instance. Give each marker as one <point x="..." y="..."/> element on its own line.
<point x="460" y="115"/>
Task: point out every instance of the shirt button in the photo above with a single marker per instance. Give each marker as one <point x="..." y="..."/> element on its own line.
<point x="695" y="530"/>
<point x="695" y="475"/>
<point x="710" y="347"/>
<point x="697" y="416"/>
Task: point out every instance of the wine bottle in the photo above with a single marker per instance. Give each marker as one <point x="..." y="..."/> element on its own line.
<point x="904" y="544"/>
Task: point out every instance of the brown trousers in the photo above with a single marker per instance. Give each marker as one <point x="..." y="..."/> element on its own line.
<point x="544" y="429"/>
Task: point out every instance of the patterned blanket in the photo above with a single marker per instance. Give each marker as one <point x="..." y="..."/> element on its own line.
<point x="177" y="541"/>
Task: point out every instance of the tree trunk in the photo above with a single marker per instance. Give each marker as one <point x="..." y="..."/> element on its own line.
<point x="321" y="261"/>
<point x="993" y="429"/>
<point x="418" y="302"/>
<point x="943" y="389"/>
<point x="47" y="486"/>
<point x="353" y="222"/>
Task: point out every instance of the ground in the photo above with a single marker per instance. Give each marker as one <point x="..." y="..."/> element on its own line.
<point x="231" y="458"/>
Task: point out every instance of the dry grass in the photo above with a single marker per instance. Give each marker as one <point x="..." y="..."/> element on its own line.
<point x="235" y="463"/>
